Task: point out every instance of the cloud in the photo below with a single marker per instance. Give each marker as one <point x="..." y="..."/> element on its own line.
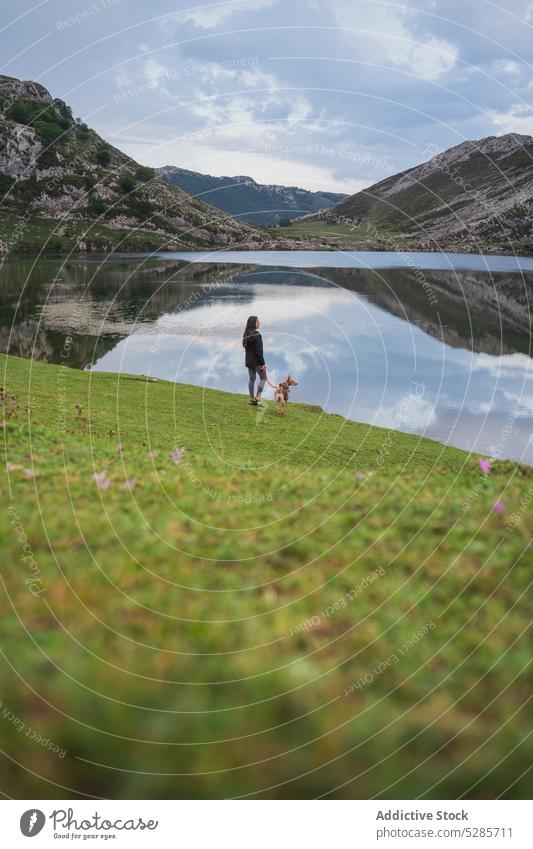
<point x="412" y="413"/>
<point x="213" y="14"/>
<point x="381" y="31"/>
<point x="517" y="119"/>
<point x="221" y="83"/>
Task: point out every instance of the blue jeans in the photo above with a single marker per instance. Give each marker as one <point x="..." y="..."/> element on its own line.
<point x="252" y="374"/>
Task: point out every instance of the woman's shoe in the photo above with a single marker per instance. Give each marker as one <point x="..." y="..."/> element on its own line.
<point x="253" y="402"/>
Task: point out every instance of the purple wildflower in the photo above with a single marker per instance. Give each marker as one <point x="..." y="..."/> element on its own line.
<point x="102" y="481"/>
<point x="128" y="484"/>
<point x="177" y="455"/>
<point x="485" y="466"/>
<point x="498" y="506"/>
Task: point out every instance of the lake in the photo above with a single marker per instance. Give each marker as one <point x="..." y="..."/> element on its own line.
<point x="438" y="345"/>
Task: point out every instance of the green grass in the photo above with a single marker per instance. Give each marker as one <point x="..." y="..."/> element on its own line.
<point x="199" y="635"/>
<point x="339" y="234"/>
<point x="317" y="228"/>
<point x="34" y="235"/>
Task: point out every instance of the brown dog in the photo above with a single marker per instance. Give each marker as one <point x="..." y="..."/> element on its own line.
<point x="281" y="394"/>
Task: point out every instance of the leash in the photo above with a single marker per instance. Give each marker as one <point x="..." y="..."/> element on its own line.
<point x="273" y="385"/>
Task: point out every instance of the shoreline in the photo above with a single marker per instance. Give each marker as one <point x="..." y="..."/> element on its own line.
<point x="380" y="259"/>
<point x="321" y="257"/>
<point x="298" y="406"/>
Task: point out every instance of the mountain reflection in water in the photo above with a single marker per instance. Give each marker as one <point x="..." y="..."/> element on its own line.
<point x="441" y="353"/>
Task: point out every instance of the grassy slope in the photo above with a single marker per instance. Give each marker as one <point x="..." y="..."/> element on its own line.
<point x="418" y="209"/>
<point x="165" y="645"/>
<point x="41" y="235"/>
<point x="341" y="235"/>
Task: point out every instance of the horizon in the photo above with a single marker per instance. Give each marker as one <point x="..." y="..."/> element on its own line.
<point x="228" y="176"/>
<point x="242" y="88"/>
<point x="293" y="185"/>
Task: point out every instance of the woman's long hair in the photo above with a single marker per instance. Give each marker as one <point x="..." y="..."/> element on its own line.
<point x="249" y="330"/>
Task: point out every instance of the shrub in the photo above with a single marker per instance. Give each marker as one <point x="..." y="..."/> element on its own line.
<point x="30" y="113"/>
<point x="144" y="174"/>
<point x="5" y="183"/>
<point x="103" y="156"/>
<point x="23" y="111"/>
<point x="47" y="159"/>
<point x="64" y="110"/>
<point x="76" y="180"/>
<point x="127" y="183"/>
<point x="48" y="123"/>
<point x="48" y="132"/>
<point x="27" y="190"/>
<point x="53" y="245"/>
<point x="141" y="208"/>
<point x="97" y="206"/>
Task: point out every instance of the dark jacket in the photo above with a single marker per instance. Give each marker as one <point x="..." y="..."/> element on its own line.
<point x="254" y="351"/>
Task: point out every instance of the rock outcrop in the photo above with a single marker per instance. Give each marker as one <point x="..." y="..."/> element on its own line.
<point x="62" y="187"/>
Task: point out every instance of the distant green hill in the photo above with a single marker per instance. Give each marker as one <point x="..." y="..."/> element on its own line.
<point x="253" y="202"/>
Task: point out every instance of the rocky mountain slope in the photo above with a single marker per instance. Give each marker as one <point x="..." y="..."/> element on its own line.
<point x="101" y="303"/>
<point x="63" y="187"/>
<point x="247" y="200"/>
<point x="467" y="309"/>
<point x="475" y="196"/>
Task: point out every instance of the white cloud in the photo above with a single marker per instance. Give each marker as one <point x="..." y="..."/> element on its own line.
<point x="154" y="72"/>
<point x="518" y="119"/>
<point x="431" y="60"/>
<point x="381" y="34"/>
<point x="210" y="16"/>
<point x="507" y="66"/>
<point x="220" y="82"/>
<point x="210" y="158"/>
<point x="410" y="413"/>
<point x="510" y="364"/>
<point x="523" y="404"/>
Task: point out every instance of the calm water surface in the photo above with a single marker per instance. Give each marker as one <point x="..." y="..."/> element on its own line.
<point x="431" y="261"/>
<point x="441" y="351"/>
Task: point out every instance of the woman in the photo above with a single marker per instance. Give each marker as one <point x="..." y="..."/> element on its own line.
<point x="254" y="360"/>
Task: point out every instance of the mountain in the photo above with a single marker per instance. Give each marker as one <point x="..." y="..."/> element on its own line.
<point x="475" y="196"/>
<point x="247" y="200"/>
<point x="62" y="187"/>
<point x="102" y="303"/>
<point x="468" y="309"/>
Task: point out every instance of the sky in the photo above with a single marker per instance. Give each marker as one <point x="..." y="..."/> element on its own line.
<point x="324" y="94"/>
